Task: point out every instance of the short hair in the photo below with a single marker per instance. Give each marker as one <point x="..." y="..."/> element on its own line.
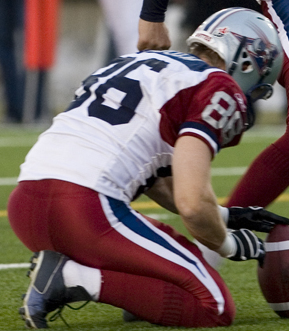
<point x="199" y="49"/>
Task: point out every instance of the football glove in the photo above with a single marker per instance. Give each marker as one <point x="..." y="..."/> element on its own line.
<point x="248" y="246"/>
<point x="254" y="218"/>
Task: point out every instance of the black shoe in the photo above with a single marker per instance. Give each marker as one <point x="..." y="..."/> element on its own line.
<point x="129" y="317"/>
<point x="47" y="291"/>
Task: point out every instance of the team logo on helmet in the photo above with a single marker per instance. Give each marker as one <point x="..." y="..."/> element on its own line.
<point x="264" y="53"/>
<point x="261" y="51"/>
<point x="221" y="31"/>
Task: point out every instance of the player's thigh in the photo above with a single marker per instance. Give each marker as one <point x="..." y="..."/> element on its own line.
<point x="143" y="247"/>
<point x="57" y="215"/>
<point x="27" y="213"/>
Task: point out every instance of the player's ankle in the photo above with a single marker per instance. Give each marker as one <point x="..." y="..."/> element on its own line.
<point x="75" y="274"/>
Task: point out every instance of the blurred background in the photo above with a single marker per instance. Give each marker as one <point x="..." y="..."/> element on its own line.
<point x="47" y="47"/>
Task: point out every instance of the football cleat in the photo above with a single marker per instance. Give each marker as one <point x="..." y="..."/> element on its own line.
<point x="129" y="317"/>
<point x="47" y="290"/>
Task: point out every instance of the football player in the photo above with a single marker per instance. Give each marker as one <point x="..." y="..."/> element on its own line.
<point x="267" y="177"/>
<point x="153" y="33"/>
<point x="269" y="171"/>
<point x="148" y="123"/>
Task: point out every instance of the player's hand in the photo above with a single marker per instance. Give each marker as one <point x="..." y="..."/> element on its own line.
<point x="254" y="218"/>
<point x="248" y="246"/>
<point x="153" y="35"/>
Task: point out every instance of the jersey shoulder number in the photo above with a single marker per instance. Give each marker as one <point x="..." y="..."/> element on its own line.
<point x="226" y="111"/>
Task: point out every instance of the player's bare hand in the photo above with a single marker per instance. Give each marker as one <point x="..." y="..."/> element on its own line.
<point x="153" y="35"/>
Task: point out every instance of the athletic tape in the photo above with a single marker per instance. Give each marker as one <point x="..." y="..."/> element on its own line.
<point x="276" y="246"/>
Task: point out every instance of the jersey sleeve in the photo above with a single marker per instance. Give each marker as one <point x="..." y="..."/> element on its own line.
<point x="154" y="10"/>
<point x="213" y="111"/>
<point x="278" y="13"/>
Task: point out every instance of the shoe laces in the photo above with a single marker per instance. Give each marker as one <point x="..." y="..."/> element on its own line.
<point x="58" y="313"/>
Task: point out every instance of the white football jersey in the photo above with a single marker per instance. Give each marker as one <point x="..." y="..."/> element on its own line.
<point x="117" y="136"/>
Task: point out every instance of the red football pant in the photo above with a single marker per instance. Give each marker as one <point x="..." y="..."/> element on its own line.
<point x="266" y="178"/>
<point x="147" y="267"/>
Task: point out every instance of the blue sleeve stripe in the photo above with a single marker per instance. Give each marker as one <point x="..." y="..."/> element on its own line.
<point x="203" y="131"/>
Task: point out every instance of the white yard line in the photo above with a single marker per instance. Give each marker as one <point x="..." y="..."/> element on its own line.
<point x="216" y="172"/>
<point x="17" y="141"/>
<point x="8" y="181"/>
<point x="265" y="131"/>
<point x="14" y="266"/>
<point x="260" y="131"/>
<point x="232" y="171"/>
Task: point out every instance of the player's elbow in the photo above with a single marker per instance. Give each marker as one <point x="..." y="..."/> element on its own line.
<point x="190" y="212"/>
<point x="196" y="213"/>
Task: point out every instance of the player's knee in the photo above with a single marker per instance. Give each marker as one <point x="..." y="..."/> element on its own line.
<point x="207" y="316"/>
<point x="213" y="319"/>
<point x="228" y="316"/>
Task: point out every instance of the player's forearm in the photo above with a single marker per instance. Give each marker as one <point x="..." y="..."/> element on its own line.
<point x="204" y="221"/>
<point x="193" y="193"/>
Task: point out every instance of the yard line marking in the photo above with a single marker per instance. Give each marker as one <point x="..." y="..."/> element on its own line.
<point x="3" y="213"/>
<point x="274" y="131"/>
<point x="139" y="205"/>
<point x="265" y="131"/>
<point x="8" y="181"/>
<point x="216" y="172"/>
<point x="160" y="216"/>
<point x="221" y="200"/>
<point x="233" y="171"/>
<point x="17" y="141"/>
<point x="14" y="266"/>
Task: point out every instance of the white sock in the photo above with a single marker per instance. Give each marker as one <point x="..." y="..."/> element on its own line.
<point x="75" y="274"/>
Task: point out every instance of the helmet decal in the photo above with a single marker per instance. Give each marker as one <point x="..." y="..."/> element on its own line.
<point x="261" y="51"/>
<point x="204" y="36"/>
<point x="221" y="31"/>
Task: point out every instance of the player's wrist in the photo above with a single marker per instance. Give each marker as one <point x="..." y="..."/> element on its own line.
<point x="224" y="213"/>
<point x="228" y="247"/>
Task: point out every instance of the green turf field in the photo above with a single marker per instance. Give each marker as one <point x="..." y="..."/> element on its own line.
<point x="252" y="310"/>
